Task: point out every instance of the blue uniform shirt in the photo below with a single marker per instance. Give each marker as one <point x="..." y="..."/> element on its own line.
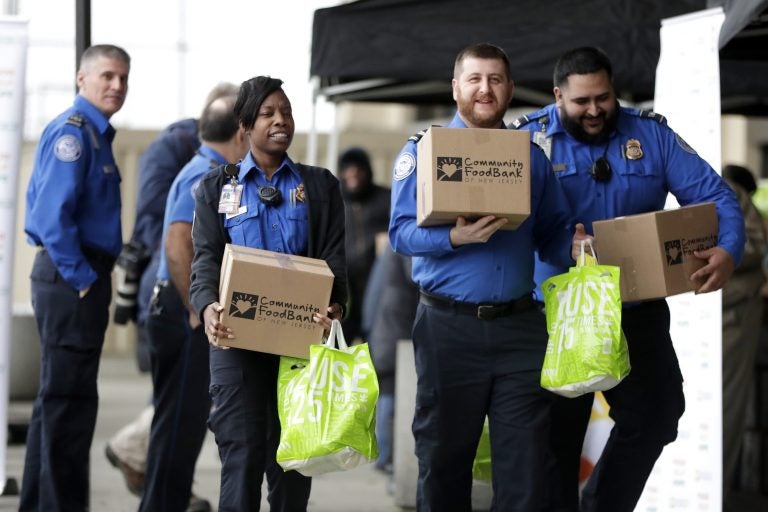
<point x="641" y="178"/>
<point x="180" y="206"/>
<point x="73" y="198"/>
<point x="282" y="228"/>
<point x="499" y="270"/>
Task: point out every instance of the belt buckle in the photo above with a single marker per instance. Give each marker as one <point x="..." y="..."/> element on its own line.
<point x="486" y="312"/>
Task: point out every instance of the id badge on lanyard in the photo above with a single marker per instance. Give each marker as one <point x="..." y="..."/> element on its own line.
<point x="231" y="192"/>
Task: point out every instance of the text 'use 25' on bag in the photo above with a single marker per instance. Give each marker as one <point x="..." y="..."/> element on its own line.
<point x="327" y="408"/>
<point x="587" y="350"/>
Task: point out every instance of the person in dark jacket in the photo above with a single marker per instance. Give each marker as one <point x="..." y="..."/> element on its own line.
<point x="243" y="388"/>
<point x="366" y="207"/>
<point x="742" y="318"/>
<point x="396" y="297"/>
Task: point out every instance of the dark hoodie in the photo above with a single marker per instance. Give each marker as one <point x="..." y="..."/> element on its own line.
<point x="367" y="213"/>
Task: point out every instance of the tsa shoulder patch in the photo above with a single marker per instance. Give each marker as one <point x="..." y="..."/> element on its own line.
<point x="684" y="145"/>
<point x="404" y="166"/>
<point x="67" y="148"/>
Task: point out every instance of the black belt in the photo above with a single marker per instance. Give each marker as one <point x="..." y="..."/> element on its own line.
<point x="94" y="255"/>
<point x="481" y="311"/>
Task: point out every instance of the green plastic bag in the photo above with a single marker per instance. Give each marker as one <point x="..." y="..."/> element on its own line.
<point x="327" y="408"/>
<point x="587" y="350"/>
<point x="481" y="466"/>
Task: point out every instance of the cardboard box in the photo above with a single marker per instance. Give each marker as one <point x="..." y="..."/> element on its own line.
<point x="473" y="172"/>
<point x="269" y="299"/>
<point x="655" y="250"/>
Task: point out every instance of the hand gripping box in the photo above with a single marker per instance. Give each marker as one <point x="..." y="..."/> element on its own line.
<point x="269" y="299"/>
<point x="655" y="250"/>
<point x="473" y="172"/>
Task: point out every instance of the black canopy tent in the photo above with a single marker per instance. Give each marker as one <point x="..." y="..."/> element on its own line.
<point x="403" y="50"/>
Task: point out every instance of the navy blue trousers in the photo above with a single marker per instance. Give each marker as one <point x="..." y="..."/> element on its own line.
<point x="469" y="368"/>
<point x="245" y="422"/>
<point x="57" y="462"/>
<point x="645" y="407"/>
<point x="180" y="378"/>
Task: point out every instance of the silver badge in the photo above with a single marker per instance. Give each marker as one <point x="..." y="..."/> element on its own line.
<point x="67" y="148"/>
<point x="404" y="166"/>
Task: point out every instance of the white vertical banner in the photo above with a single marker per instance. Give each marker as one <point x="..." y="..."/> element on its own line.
<point x="13" y="58"/>
<point x="688" y="476"/>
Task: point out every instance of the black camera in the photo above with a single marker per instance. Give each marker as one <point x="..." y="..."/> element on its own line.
<point x="131" y="262"/>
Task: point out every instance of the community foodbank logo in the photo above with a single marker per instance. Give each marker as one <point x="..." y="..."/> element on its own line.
<point x="479" y="170"/>
<point x="243" y="305"/>
<point x="263" y="308"/>
<point x="449" y="168"/>
<point x="680" y="250"/>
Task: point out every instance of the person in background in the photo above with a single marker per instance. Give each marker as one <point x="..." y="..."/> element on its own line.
<point x="366" y="208"/>
<point x="178" y="346"/>
<point x="742" y="320"/>
<point x="136" y="271"/>
<point x="396" y="300"/>
<point x="479" y="340"/>
<point x="73" y="216"/>
<point x="284" y="207"/>
<point x="614" y="161"/>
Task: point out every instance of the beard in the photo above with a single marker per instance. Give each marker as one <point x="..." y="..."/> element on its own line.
<point x="573" y="126"/>
<point x="494" y="119"/>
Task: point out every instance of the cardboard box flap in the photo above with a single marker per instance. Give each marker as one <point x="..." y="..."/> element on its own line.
<point x="278" y="260"/>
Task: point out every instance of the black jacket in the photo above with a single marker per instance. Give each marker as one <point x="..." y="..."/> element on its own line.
<point x="326" y="233"/>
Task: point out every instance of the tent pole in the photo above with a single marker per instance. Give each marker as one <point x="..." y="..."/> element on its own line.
<point x="312" y="135"/>
<point x="332" y="149"/>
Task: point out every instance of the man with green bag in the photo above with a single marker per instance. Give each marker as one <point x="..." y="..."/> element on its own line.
<point x="614" y="161"/>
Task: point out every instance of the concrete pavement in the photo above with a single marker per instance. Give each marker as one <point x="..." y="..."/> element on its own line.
<point x="124" y="392"/>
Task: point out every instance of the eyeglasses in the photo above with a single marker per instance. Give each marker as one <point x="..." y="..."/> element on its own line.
<point x="601" y="169"/>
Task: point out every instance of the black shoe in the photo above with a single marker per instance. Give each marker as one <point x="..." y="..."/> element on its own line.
<point x="198" y="504"/>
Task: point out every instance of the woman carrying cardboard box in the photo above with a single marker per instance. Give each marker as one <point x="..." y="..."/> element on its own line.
<point x="269" y="202"/>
